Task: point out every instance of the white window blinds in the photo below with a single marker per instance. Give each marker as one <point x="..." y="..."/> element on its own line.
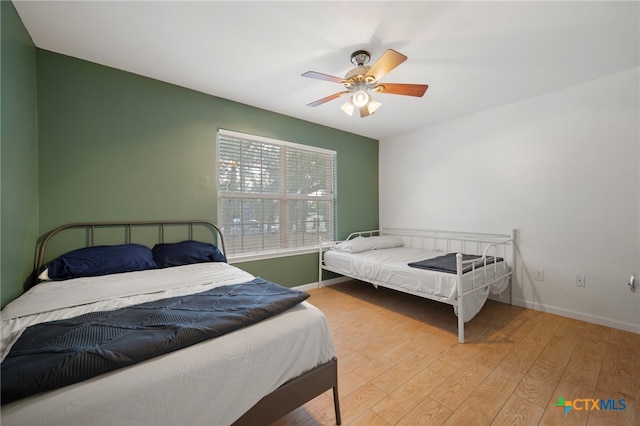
<point x="273" y="195"/>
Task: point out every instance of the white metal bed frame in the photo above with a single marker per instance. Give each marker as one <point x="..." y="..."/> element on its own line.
<point x="489" y="246"/>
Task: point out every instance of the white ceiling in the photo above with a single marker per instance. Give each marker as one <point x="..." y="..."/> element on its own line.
<point x="473" y="55"/>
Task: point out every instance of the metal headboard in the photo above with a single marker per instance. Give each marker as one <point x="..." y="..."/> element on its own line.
<point x="91" y="226"/>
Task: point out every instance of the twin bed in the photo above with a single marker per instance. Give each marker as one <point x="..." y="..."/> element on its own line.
<point x="456" y="268"/>
<point x="252" y="375"/>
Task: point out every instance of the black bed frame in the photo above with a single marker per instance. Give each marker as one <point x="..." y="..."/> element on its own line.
<point x="291" y="395"/>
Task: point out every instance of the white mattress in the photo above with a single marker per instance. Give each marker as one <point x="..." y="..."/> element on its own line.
<point x="210" y="383"/>
<point x="389" y="268"/>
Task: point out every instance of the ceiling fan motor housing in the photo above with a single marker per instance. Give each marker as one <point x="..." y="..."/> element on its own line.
<point x="357" y="75"/>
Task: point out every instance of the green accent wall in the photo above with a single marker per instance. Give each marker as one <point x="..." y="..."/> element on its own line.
<point x="18" y="154"/>
<point x="118" y="146"/>
<point x="287" y="271"/>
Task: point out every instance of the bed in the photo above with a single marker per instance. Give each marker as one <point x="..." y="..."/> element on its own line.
<point x="249" y="376"/>
<point x="457" y="268"/>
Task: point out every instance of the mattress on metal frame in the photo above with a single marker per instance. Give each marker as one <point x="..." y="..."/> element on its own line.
<point x="389" y="268"/>
<point x="213" y="382"/>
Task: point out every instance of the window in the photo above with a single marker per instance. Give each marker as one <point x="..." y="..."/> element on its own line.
<point x="273" y="196"/>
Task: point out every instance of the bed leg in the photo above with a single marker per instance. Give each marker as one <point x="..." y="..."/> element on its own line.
<point x="512" y="278"/>
<point x="336" y="405"/>
<point x="460" y="298"/>
<point x="320" y="263"/>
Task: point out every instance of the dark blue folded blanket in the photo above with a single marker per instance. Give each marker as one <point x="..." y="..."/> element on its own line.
<point x="58" y="353"/>
<point x="447" y="263"/>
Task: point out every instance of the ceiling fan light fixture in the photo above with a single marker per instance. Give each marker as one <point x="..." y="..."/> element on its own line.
<point x="348" y="107"/>
<point x="360" y="98"/>
<point x="373" y="105"/>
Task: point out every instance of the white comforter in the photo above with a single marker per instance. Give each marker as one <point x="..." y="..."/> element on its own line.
<point x="211" y="383"/>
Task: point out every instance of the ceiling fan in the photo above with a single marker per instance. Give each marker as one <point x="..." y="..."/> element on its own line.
<point x="360" y="82"/>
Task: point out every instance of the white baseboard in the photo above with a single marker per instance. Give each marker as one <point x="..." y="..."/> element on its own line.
<point x="325" y="283"/>
<point x="594" y="319"/>
<point x="336" y="280"/>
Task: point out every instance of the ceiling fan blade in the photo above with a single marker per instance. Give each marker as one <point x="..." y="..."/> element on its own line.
<point x="388" y="61"/>
<point x="320" y="76"/>
<point x="364" y="111"/>
<point x="402" y="89"/>
<point x="327" y="99"/>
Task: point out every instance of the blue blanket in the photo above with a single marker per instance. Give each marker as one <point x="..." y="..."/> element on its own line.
<point x="58" y="353"/>
<point x="447" y="263"/>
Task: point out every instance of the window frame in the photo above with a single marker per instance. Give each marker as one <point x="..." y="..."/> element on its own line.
<point x="283" y="195"/>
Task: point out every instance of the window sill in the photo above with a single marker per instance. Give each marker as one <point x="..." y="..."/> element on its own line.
<point x="247" y="257"/>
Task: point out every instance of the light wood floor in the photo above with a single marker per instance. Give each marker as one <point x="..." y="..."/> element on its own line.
<point x="399" y="363"/>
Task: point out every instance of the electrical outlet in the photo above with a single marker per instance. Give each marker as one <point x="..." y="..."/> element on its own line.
<point x="580" y="281"/>
<point x="539" y="275"/>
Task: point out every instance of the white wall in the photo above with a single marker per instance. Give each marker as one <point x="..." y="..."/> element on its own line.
<point x="563" y="168"/>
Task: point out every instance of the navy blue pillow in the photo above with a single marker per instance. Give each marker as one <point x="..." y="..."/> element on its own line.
<point x="186" y="252"/>
<point x="101" y="260"/>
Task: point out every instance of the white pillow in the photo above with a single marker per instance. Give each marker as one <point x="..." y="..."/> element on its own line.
<point x="360" y="244"/>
